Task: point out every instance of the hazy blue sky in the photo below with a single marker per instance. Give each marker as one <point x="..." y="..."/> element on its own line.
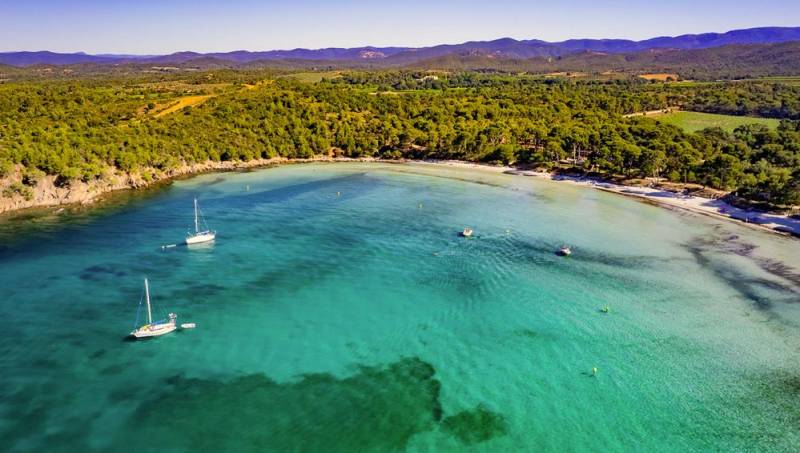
<point x="162" y="26"/>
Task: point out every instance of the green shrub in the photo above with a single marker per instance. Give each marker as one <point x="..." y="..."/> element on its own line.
<point x="18" y="189"/>
<point x="69" y="173"/>
<point x="91" y="171"/>
<point x="32" y="176"/>
<point x="6" y="167"/>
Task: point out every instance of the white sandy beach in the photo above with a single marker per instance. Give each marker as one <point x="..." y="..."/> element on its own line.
<point x="782" y="224"/>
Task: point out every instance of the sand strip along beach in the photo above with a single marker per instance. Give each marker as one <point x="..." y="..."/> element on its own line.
<point x="716" y="208"/>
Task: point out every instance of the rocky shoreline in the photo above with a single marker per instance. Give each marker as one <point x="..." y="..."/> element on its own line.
<point x="48" y="193"/>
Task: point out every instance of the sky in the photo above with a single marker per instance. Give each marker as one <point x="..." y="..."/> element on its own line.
<point x="149" y="27"/>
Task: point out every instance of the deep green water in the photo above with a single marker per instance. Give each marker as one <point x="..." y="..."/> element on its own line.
<point x="362" y="322"/>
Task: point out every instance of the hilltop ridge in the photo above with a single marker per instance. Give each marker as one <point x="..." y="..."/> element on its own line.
<point x="501" y="48"/>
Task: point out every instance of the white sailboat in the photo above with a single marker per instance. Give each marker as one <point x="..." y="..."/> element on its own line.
<point x="154" y="329"/>
<point x="199" y="236"/>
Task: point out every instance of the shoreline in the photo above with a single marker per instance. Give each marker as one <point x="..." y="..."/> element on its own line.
<point x="774" y="223"/>
<point x="49" y="195"/>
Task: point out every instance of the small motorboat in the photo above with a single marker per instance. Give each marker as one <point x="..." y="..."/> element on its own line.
<point x="564" y="251"/>
<point x="188" y="325"/>
<point x="467" y="232"/>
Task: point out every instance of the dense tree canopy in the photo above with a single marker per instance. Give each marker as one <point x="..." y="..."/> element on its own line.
<point x="77" y="129"/>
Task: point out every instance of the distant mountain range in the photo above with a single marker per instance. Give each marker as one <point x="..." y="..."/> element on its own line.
<point x="505" y="48"/>
<point x="735" y="61"/>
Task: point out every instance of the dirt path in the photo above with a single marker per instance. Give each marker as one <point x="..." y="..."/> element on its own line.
<point x="652" y="112"/>
<point x="187" y="101"/>
<point x="193" y="101"/>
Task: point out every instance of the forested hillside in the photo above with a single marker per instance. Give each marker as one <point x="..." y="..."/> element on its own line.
<point x="705" y="64"/>
<point x="79" y="129"/>
<point x="726" y="62"/>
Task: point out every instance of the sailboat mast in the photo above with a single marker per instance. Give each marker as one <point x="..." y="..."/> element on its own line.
<point x="147" y="298"/>
<point x="196" y="227"/>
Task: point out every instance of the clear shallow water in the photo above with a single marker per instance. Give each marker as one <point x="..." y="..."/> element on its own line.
<point x="362" y="322"/>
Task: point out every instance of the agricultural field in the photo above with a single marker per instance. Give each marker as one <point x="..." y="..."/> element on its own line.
<point x="793" y="81"/>
<point x="660" y="77"/>
<point x="695" y="121"/>
<point x="314" y="77"/>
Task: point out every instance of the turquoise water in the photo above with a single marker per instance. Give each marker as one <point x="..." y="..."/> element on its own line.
<point x="339" y="310"/>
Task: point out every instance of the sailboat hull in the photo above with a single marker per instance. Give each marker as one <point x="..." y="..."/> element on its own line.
<point x="200" y="238"/>
<point x="153" y="330"/>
